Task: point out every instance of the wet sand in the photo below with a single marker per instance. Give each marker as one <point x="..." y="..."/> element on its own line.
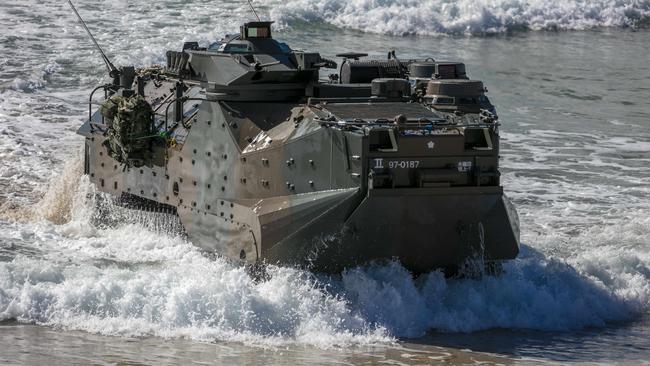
<point x="43" y="345"/>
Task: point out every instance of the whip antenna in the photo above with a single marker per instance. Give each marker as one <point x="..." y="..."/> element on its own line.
<point x="252" y="8"/>
<point x="112" y="70"/>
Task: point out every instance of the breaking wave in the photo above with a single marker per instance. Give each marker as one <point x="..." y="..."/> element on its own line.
<point x="404" y="17"/>
<point x="127" y="280"/>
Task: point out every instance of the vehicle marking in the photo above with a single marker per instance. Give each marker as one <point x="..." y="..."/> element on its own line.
<point x="464" y="166"/>
<point x="403" y="164"/>
<point x="379" y="163"/>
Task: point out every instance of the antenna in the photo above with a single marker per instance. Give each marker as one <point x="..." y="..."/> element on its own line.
<point x="252" y="8"/>
<point x="112" y="70"/>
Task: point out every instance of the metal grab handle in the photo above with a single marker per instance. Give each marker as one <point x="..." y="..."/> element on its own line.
<point x="90" y="99"/>
<point x="182" y="99"/>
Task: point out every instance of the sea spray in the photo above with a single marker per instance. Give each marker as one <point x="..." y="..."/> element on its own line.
<point x="127" y="279"/>
<point x="532" y="292"/>
<point x="152" y="285"/>
<point x="63" y="192"/>
<point x="56" y="196"/>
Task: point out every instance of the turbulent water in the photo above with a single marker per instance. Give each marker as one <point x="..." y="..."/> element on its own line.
<point x="570" y="81"/>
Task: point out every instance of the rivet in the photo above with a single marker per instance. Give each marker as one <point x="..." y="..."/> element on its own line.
<point x="311" y="162"/>
<point x="311" y="182"/>
<point x="292" y="187"/>
<point x="141" y="192"/>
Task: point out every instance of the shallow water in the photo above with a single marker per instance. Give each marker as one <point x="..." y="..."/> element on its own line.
<point x="575" y="157"/>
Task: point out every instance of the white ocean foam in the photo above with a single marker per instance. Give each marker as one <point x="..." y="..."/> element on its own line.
<point x="402" y="17"/>
<point x="535" y="292"/>
<point x="36" y="80"/>
<point x="183" y="294"/>
<point x="189" y="296"/>
<point x="129" y="281"/>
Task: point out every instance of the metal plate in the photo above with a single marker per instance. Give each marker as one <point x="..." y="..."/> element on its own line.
<point x="385" y="110"/>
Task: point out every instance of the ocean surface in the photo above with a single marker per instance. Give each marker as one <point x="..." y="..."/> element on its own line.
<point x="571" y="82"/>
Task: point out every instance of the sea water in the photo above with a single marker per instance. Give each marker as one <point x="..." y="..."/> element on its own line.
<point x="570" y="80"/>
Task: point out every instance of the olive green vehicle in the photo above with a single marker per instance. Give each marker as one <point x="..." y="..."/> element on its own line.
<point x="264" y="161"/>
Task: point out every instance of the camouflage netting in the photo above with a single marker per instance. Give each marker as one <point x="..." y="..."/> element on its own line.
<point x="149" y="72"/>
<point x="130" y="130"/>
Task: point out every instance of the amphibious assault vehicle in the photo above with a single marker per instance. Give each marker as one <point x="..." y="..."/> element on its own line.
<point x="264" y="160"/>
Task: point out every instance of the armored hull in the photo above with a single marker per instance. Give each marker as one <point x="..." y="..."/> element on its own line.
<point x="265" y="162"/>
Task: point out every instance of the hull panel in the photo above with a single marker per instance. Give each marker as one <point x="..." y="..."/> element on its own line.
<point x="423" y="232"/>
